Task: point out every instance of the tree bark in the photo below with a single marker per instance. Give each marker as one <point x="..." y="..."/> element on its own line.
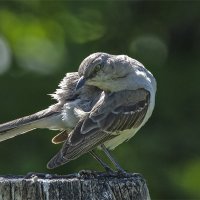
<point x="81" y="186"/>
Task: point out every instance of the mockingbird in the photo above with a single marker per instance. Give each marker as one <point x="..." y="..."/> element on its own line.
<point x="102" y="105"/>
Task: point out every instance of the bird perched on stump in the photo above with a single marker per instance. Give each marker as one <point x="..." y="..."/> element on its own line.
<point x="102" y="105"/>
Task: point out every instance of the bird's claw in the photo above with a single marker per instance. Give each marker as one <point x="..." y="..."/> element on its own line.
<point x="32" y="175"/>
<point x="123" y="173"/>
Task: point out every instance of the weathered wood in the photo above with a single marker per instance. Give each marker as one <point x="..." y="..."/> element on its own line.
<point x="83" y="186"/>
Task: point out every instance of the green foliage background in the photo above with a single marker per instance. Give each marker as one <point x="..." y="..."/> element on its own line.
<point x="42" y="40"/>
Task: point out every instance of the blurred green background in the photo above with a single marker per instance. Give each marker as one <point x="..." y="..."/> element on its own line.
<point x="42" y="40"/>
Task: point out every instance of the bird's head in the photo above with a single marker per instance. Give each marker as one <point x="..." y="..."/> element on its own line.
<point x="108" y="72"/>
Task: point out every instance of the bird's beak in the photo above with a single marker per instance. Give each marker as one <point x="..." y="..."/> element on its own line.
<point x="80" y="83"/>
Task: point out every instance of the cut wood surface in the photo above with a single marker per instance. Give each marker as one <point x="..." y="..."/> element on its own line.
<point x="85" y="185"/>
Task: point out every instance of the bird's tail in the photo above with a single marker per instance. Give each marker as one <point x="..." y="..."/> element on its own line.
<point x="43" y="119"/>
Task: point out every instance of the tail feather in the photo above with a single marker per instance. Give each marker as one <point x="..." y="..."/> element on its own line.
<point x="42" y="119"/>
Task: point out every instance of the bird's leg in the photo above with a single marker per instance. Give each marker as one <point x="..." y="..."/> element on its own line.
<point x="104" y="165"/>
<point x="116" y="164"/>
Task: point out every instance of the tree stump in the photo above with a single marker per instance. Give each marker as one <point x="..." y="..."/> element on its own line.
<point x="83" y="185"/>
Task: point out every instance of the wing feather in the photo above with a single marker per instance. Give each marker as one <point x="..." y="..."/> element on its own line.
<point x="112" y="114"/>
<point x="61" y="137"/>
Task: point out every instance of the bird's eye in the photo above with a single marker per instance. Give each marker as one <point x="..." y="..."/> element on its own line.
<point x="97" y="68"/>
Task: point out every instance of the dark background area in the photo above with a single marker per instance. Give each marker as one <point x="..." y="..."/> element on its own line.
<point x="40" y="41"/>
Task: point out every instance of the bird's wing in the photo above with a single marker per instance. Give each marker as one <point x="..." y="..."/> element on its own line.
<point x="113" y="113"/>
<point x="61" y="137"/>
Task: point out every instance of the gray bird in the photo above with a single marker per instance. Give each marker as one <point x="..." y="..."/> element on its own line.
<point x="102" y="105"/>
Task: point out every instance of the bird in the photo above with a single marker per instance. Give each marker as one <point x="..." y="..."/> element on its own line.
<point x="101" y="105"/>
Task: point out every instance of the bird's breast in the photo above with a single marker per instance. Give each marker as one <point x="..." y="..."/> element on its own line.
<point x="69" y="117"/>
<point x="121" y="137"/>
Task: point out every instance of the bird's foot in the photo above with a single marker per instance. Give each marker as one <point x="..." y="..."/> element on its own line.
<point x="87" y="174"/>
<point x="123" y="173"/>
<point x="95" y="174"/>
<point x="32" y="175"/>
<point x="109" y="171"/>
